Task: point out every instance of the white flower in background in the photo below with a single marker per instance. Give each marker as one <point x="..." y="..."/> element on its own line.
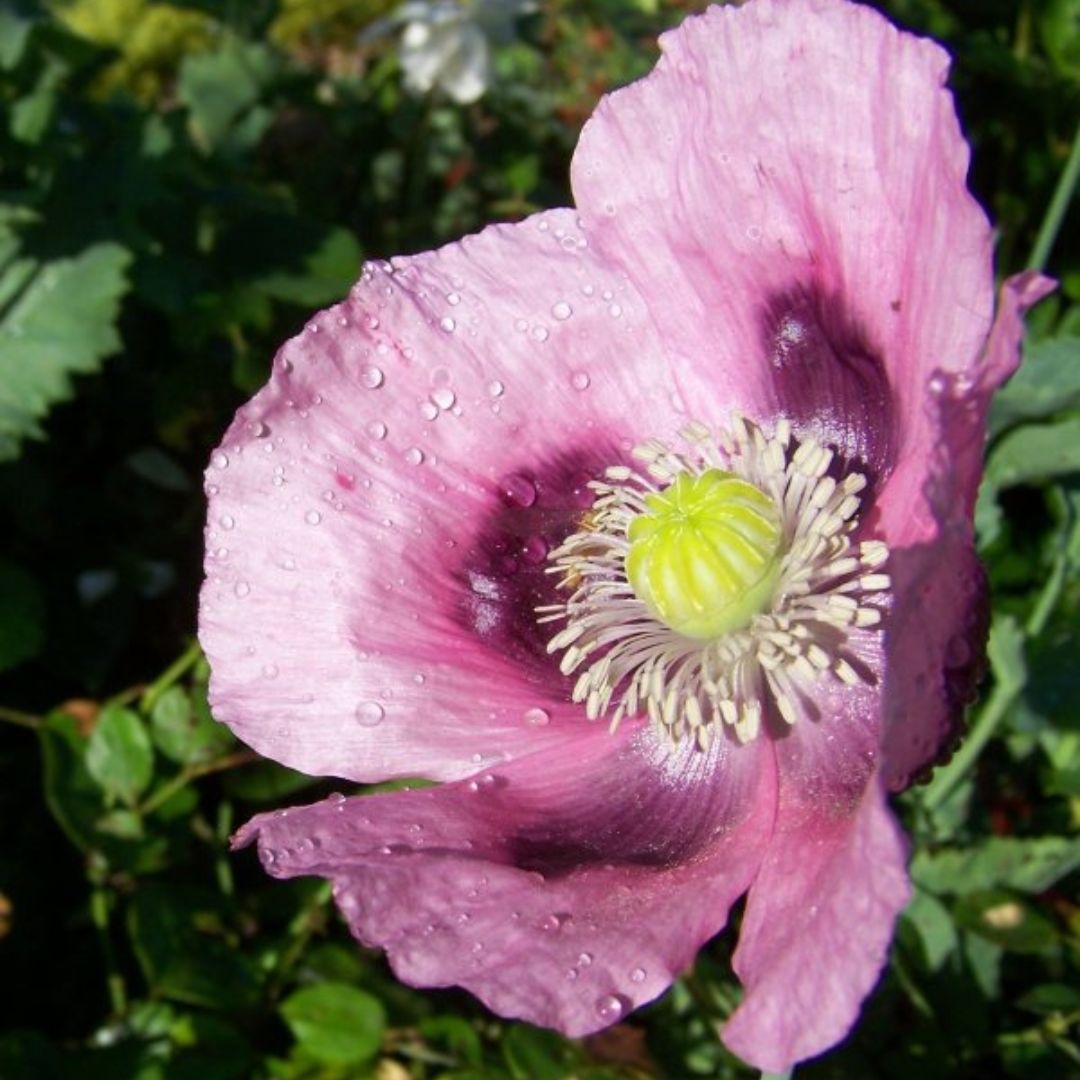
<point x="447" y="43"/>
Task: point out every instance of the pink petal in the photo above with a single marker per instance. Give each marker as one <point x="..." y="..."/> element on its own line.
<point x="564" y="889"/>
<point x="937" y="628"/>
<point x="359" y="613"/>
<point x="818" y="923"/>
<point x="803" y="232"/>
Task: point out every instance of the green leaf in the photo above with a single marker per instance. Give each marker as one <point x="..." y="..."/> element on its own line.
<point x="14" y="34"/>
<point x="1051" y="998"/>
<point x="56" y="320"/>
<point x="181" y="961"/>
<point x="535" y="1054"/>
<point x="933" y="925"/>
<point x="183" y="729"/>
<point x="265" y="782"/>
<point x="1059" y="27"/>
<point x="324" y="275"/>
<point x="1035" y="452"/>
<point x="22" y="616"/>
<point x="119" y="755"/>
<point x="1030" y="866"/>
<point x="1007" y="920"/>
<point x="1047" y="382"/>
<point x="335" y="1023"/>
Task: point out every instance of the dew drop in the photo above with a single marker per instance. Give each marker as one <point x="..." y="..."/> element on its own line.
<point x="227" y="521"/>
<point x="580" y="380"/>
<point x="562" y="311"/>
<point x="637" y="975"/>
<point x="534" y="549"/>
<point x="519" y="490"/>
<point x="540" y="333"/>
<point x="495" y="388"/>
<point x="584" y="960"/>
<point x="610" y="1008"/>
<point x="448" y="324"/>
<point x="615" y="310"/>
<point x="258" y="429"/>
<point x="369" y="714"/>
<point x="376" y="429"/>
<point x="453" y="299"/>
<point x="372" y="377"/>
<point x="551" y="924"/>
<point x="429" y="410"/>
<point x="414" y="455"/>
<point x="270" y="671"/>
<point x="220" y="460"/>
<point x="571" y="974"/>
<point x="537" y="717"/>
<point x="313" y="517"/>
<point x="444" y="397"/>
<point x="241" y="589"/>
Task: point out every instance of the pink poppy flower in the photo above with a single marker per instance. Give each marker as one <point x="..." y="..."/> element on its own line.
<point x="651" y="679"/>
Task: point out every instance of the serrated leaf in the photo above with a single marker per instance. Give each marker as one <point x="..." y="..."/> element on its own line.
<point x="57" y="320"/>
<point x="1046" y="383"/>
<point x="119" y="755"/>
<point x="1030" y="866"/>
<point x="335" y="1023"/>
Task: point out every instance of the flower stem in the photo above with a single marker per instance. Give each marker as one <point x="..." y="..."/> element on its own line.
<point x="778" y="1076"/>
<point x="114" y="981"/>
<point x="192" y="772"/>
<point x="1059" y="205"/>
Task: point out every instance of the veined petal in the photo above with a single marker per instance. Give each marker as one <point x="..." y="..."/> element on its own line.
<point x="379" y="512"/>
<point x="820" y="914"/>
<point x="563" y="889"/>
<point x="804" y="235"/>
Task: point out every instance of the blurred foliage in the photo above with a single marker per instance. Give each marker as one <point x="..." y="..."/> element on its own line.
<point x="181" y="184"/>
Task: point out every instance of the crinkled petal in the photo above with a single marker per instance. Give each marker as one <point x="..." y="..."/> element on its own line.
<point x="379" y="512"/>
<point x="937" y="629"/>
<point x="787" y="189"/>
<point x="563" y="889"/>
<point x="818" y="923"/>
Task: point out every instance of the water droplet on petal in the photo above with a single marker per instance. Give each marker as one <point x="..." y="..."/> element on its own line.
<point x="313" y="517"/>
<point x="227" y="521"/>
<point x="377" y="429"/>
<point x="537" y="717"/>
<point x="369" y="714"/>
<point x="615" y="311"/>
<point x="448" y="324"/>
<point x="519" y="490"/>
<point x="258" y="429"/>
<point x="241" y="588"/>
<point x="540" y="333"/>
<point x="220" y="460"/>
<point x="580" y="380"/>
<point x="584" y="960"/>
<point x="270" y="671"/>
<point x="429" y="410"/>
<point x="550" y="924"/>
<point x="610" y="1008"/>
<point x="637" y="975"/>
<point x="414" y="455"/>
<point x="535" y="549"/>
<point x="453" y="299"/>
<point x="372" y="377"/>
<point x="444" y="397"/>
<point x="562" y="311"/>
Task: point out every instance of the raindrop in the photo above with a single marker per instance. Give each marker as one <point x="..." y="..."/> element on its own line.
<point x="288" y="564"/>
<point x="537" y="717"/>
<point x="419" y="678"/>
<point x="369" y="714"/>
<point x="376" y="429"/>
<point x="444" y="397"/>
<point x="615" y="311"/>
<point x="313" y="517"/>
<point x="372" y="377"/>
<point x="258" y="429"/>
<point x="637" y="975"/>
<point x="571" y="974"/>
<point x="241" y="588"/>
<point x="540" y="333"/>
<point x="519" y="490"/>
<point x="562" y="311"/>
<point x="414" y="455"/>
<point x="610" y="1008"/>
<point x="429" y="410"/>
<point x="270" y="671"/>
<point x="226" y="521"/>
<point x="373" y="323"/>
<point x="580" y="380"/>
<point x="495" y="388"/>
<point x="584" y="960"/>
<point x="535" y="549"/>
<point x="220" y="460"/>
<point x="550" y="924"/>
<point x="335" y="797"/>
<point x="448" y="324"/>
<point x="453" y="299"/>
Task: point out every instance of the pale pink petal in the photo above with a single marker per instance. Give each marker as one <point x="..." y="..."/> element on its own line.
<point x="564" y="889"/>
<point x="818" y="923"/>
<point x="380" y="511"/>
<point x="937" y="629"/>
<point x="787" y="189"/>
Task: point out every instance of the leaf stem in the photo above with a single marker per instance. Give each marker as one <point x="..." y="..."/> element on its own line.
<point x="188" y="659"/>
<point x="1059" y="205"/>
<point x="192" y="772"/>
<point x="114" y="981"/>
<point x="20" y="719"/>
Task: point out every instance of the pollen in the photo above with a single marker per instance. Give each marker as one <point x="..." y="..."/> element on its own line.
<point x="714" y="587"/>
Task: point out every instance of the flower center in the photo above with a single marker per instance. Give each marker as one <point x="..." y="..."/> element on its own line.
<point x="705" y="554"/>
<point x="717" y="586"/>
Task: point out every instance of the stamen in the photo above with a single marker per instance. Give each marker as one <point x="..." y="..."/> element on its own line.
<point x="716" y="582"/>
